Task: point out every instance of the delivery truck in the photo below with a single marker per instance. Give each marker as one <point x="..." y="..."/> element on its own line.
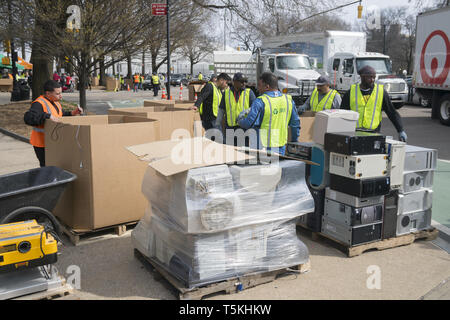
<point x="339" y="55"/>
<point x="294" y="71"/>
<point x="432" y="61"/>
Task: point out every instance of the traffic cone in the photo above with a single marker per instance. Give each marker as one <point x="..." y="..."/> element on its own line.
<point x="163" y="93"/>
<point x="195" y="98"/>
<point x="170" y="97"/>
<point x="128" y="87"/>
<point x="181" y="92"/>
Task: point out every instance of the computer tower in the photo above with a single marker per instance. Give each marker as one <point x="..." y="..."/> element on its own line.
<point x="396" y="162"/>
<point x="352" y="236"/>
<point x="355" y="143"/>
<point x="413" y="181"/>
<point x="415" y="221"/>
<point x="362" y="188"/>
<point x="352" y="216"/>
<point x="352" y="200"/>
<point x="319" y="175"/>
<point x="359" y="167"/>
<point x="313" y="220"/>
<point x="419" y="200"/>
<point x="390" y="215"/>
<point x="419" y="159"/>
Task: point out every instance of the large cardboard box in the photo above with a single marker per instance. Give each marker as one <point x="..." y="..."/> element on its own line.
<point x="184" y="104"/>
<point x="194" y="89"/>
<point x="107" y="190"/>
<point x="112" y="84"/>
<point x="6" y="85"/>
<point x="170" y="118"/>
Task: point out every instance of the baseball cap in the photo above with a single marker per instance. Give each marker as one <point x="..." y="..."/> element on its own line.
<point x="239" y="77"/>
<point x="322" y="80"/>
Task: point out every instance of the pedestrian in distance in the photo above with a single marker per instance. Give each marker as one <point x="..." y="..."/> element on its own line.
<point x="45" y="107"/>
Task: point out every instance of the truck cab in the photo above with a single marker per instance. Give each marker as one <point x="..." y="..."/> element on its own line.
<point x="295" y="74"/>
<point x="343" y="72"/>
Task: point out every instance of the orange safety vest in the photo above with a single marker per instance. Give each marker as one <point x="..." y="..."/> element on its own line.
<point x="136" y="79"/>
<point x="37" y="134"/>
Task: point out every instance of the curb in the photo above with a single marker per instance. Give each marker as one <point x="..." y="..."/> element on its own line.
<point x="13" y="135"/>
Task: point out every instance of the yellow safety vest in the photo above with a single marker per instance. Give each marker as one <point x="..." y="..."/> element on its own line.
<point x="370" y="111"/>
<point x="277" y="114"/>
<point x="155" y="79"/>
<point x="233" y="108"/>
<point x="325" y="103"/>
<point x="200" y="77"/>
<point x="217" y="97"/>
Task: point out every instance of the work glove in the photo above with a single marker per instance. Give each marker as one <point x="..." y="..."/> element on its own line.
<point x="402" y="136"/>
<point x="242" y="115"/>
<point x="301" y="109"/>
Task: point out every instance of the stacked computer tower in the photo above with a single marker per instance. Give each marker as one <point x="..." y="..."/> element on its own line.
<point x="409" y="203"/>
<point x="359" y="180"/>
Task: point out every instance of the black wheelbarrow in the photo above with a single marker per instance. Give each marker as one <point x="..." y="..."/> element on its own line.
<point x="33" y="194"/>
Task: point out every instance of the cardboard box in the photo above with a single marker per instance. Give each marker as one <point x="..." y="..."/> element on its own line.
<point x="6" y="85"/>
<point x="306" y="126"/>
<point x="170" y="118"/>
<point x="107" y="190"/>
<point x="184" y="104"/>
<point x="193" y="89"/>
<point x="112" y="84"/>
<point x="94" y="81"/>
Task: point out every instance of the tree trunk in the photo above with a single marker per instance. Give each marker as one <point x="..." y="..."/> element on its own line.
<point x="143" y="62"/>
<point x="83" y="78"/>
<point x="192" y="66"/>
<point x="22" y="44"/>
<point x="129" y="74"/>
<point x="102" y="72"/>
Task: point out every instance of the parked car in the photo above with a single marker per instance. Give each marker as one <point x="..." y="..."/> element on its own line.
<point x="147" y="83"/>
<point x="175" y="79"/>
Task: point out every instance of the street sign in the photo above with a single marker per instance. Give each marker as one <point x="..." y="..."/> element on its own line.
<point x="159" y="9"/>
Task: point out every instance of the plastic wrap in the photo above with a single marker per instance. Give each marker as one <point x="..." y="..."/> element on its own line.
<point x="223" y="197"/>
<point x="198" y="259"/>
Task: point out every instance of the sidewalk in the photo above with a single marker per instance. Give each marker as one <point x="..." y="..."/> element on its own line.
<point x="110" y="271"/>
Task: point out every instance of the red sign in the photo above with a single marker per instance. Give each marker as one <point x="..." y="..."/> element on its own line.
<point x="159" y="9"/>
<point x="435" y="79"/>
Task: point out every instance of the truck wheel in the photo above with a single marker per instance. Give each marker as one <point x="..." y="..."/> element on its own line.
<point x="398" y="105"/>
<point x="444" y="110"/>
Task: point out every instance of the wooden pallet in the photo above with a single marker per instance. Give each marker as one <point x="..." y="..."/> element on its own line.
<point x="403" y="240"/>
<point x="61" y="293"/>
<point x="228" y="286"/>
<point x="78" y="237"/>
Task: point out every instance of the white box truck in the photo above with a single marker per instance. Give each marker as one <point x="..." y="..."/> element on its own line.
<point x="431" y="77"/>
<point x="295" y="74"/>
<point x="340" y="54"/>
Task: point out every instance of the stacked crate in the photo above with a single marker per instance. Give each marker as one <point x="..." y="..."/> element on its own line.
<point x="359" y="180"/>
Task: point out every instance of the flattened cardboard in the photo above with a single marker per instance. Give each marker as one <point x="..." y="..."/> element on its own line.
<point x="107" y="190"/>
<point x="170" y="118"/>
<point x="166" y="157"/>
<point x="306" y="126"/>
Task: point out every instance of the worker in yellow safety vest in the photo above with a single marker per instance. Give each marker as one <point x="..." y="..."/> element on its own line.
<point x="45" y="107"/>
<point x="273" y="113"/>
<point x="322" y="97"/>
<point x="369" y="99"/>
<point x="210" y="97"/>
<point x="155" y="83"/>
<point x="200" y="76"/>
<point x="235" y="99"/>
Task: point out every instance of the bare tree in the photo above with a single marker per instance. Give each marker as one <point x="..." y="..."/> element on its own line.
<point x="196" y="48"/>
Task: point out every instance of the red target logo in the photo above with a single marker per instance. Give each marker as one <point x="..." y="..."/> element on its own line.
<point x="440" y="78"/>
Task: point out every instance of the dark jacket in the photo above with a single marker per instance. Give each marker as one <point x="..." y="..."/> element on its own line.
<point x="387" y="107"/>
<point x="206" y="97"/>
<point x="36" y="116"/>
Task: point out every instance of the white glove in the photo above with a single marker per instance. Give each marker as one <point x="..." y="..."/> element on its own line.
<point x="402" y="136"/>
<point x="243" y="115"/>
